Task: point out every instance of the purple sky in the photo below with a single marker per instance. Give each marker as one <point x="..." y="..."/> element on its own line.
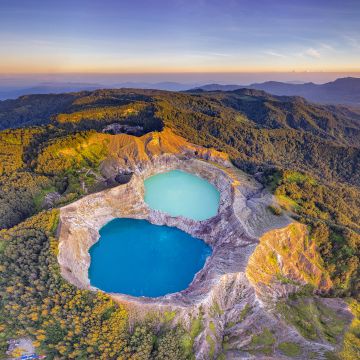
<point x="138" y="36"/>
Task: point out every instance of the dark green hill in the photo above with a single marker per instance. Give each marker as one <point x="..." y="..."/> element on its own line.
<point x="255" y="128"/>
<point x="264" y="110"/>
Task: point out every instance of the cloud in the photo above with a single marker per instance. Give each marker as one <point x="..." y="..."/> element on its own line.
<point x="327" y="47"/>
<point x="208" y="55"/>
<point x="353" y="42"/>
<point x="219" y="54"/>
<point x="312" y="53"/>
<point x="274" y="53"/>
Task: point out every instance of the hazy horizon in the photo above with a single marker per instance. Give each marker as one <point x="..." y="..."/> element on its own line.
<point x="18" y="80"/>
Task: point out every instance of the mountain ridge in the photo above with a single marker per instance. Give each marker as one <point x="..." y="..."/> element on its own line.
<point x="340" y="91"/>
<point x="252" y="126"/>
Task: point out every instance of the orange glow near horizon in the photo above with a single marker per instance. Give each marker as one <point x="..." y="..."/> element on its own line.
<point x="34" y="65"/>
<point x="173" y="70"/>
<point x="177" y="37"/>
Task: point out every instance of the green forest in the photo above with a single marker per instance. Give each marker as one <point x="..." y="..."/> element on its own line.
<point x="307" y="155"/>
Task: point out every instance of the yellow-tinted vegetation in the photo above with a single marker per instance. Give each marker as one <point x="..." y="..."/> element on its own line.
<point x="287" y="255"/>
<point x="332" y="212"/>
<point x="351" y="345"/>
<point x="64" y="321"/>
<point x="84" y="149"/>
<point x="313" y="319"/>
<point x="104" y="114"/>
<point x="88" y="149"/>
<point x="12" y="146"/>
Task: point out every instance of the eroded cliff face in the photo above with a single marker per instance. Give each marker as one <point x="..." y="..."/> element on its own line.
<point x="130" y="153"/>
<point x="284" y="260"/>
<point x="257" y="257"/>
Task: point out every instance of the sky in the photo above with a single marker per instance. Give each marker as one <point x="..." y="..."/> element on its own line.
<point x="179" y="36"/>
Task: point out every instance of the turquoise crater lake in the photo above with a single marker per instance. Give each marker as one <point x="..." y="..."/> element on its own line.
<point x="180" y="193"/>
<point x="137" y="258"/>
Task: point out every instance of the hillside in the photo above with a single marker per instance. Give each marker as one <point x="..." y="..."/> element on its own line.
<point x="14" y="90"/>
<point x="340" y="91"/>
<point x="56" y="149"/>
<point x="254" y="127"/>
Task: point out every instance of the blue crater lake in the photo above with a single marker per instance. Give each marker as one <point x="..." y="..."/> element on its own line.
<point x="180" y="193"/>
<point x="141" y="259"/>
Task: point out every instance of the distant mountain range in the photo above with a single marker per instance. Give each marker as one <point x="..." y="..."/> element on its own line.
<point x="13" y="92"/>
<point x="340" y="91"/>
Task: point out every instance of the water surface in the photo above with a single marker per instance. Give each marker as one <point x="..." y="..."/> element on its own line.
<point x="180" y="193"/>
<point x="141" y="259"/>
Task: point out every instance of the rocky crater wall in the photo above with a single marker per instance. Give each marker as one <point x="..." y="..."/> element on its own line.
<point x="231" y="232"/>
<point x="244" y="235"/>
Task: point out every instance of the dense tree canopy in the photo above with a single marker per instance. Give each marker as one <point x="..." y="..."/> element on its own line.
<point x="307" y="154"/>
<point x="66" y="322"/>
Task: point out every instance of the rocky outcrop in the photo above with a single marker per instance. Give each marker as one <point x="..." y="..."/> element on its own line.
<point x="135" y="154"/>
<point x="117" y="128"/>
<point x="50" y="200"/>
<point x="284" y="260"/>
<point x="228" y="294"/>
